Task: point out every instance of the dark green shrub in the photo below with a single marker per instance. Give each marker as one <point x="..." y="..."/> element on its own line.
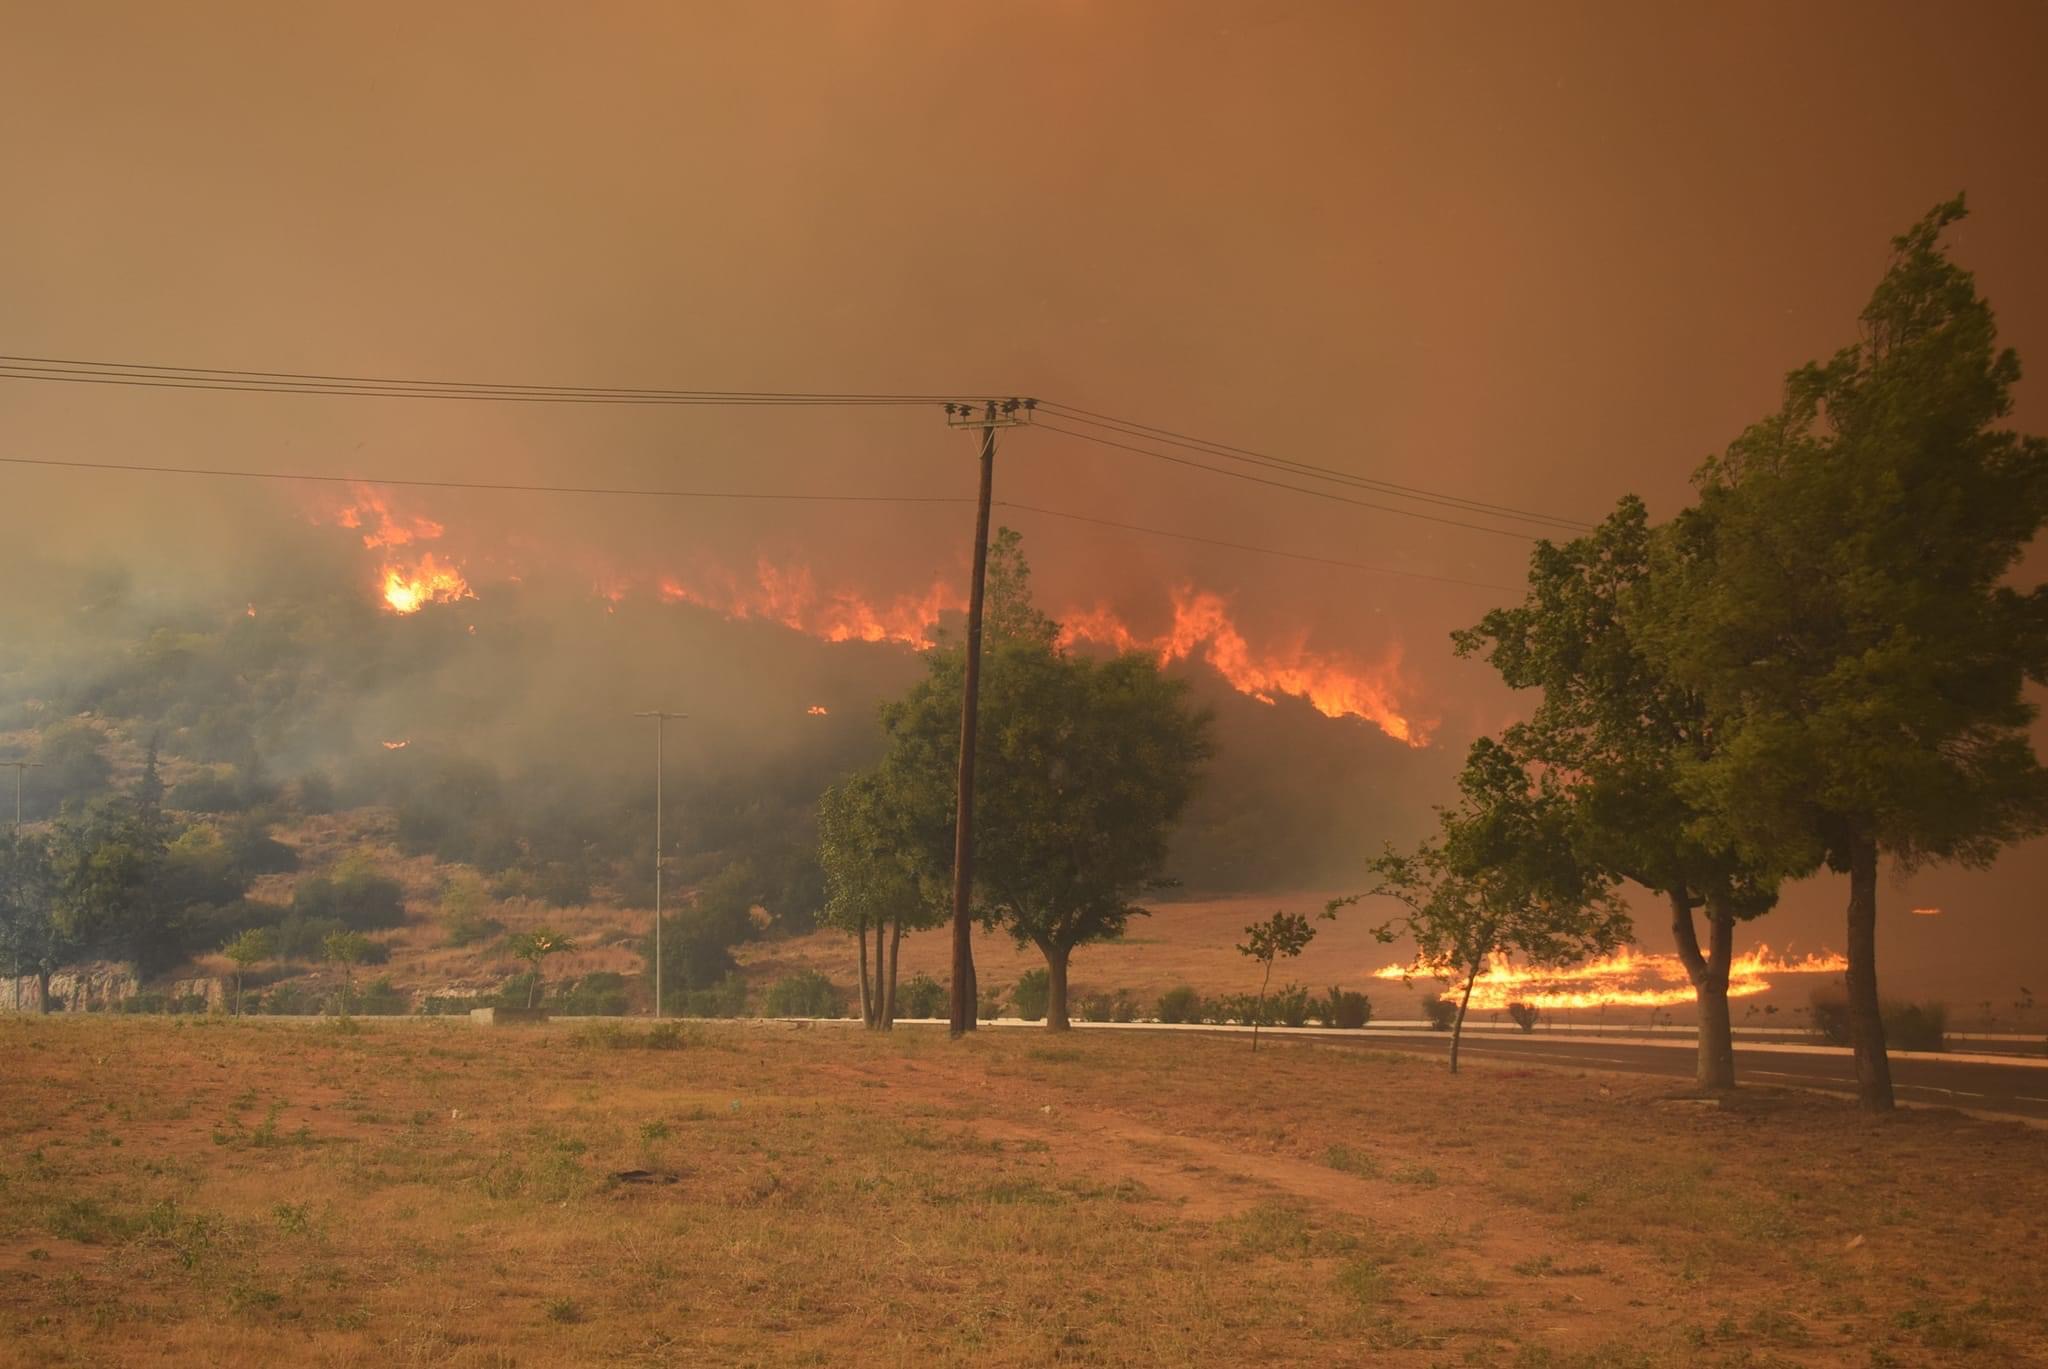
<point x="804" y="994"/>
<point x="923" y="996"/>
<point x="1180" y="1004"/>
<point x="1028" y="996"/>
<point x="600" y="994"/>
<point x="988" y="1003"/>
<point x="288" y="1000"/>
<point x="1102" y="1007"/>
<point x="1907" y="1026"/>
<point x="1442" y="1015"/>
<point x="381" y="998"/>
<point x="726" y="998"/>
<point x="354" y="895"/>
<point x="1288" y="1006"/>
<point x="1343" y="1008"/>
<point x="1526" y="1015"/>
<point x="210" y="791"/>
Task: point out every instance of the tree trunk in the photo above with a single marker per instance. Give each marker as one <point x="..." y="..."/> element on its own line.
<point x="1709" y="975"/>
<point x="889" y="986"/>
<point x="1866" y="1018"/>
<point x="1458" y="1027"/>
<point x="1260" y="1010"/>
<point x="867" y="993"/>
<point x="1056" y="988"/>
<point x="42" y="992"/>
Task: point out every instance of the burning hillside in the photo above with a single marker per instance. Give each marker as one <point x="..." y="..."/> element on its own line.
<point x="408" y="576"/>
<point x="1627" y="978"/>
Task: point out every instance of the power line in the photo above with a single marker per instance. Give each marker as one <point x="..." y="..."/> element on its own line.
<point x="1133" y="428"/>
<point x="495" y="485"/>
<point x="1260" y="551"/>
<point x="500" y="486"/>
<point x="1043" y="426"/>
<point x="256" y="385"/>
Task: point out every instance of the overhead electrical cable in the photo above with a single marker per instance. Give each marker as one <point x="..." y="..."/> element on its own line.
<point x="501" y="486"/>
<point x="1133" y="428"/>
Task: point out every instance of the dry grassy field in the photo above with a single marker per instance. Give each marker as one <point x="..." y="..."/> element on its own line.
<point x="423" y="1192"/>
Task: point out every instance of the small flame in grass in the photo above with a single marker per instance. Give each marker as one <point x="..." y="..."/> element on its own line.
<point x="397" y="745"/>
<point x="1927" y="912"/>
<point x="817" y="710"/>
<point x="1625" y="979"/>
<point x="1336" y="686"/>
<point x="250" y="611"/>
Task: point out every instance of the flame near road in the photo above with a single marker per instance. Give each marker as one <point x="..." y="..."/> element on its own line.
<point x="1627" y="978"/>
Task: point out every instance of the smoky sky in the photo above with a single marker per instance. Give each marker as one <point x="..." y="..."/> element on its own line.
<point x="1536" y="255"/>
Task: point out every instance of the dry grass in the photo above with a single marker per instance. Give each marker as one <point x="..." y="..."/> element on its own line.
<point x="419" y="1192"/>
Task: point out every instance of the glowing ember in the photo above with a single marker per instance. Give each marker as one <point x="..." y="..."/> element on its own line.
<point x="397" y="746"/>
<point x="791" y="596"/>
<point x="1927" y="912"/>
<point x="1625" y="979"/>
<point x="817" y="710"/>
<point x="1336" y="687"/>
<point x="250" y="611"/>
<point x="429" y="581"/>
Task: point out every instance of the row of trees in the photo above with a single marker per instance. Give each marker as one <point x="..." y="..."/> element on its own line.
<point x="1819" y="664"/>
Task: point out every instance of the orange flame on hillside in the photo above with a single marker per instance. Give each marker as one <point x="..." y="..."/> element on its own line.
<point x="428" y="581"/>
<point x="1336" y="686"/>
<point x="791" y="596"/>
<point x="817" y="710"/>
<point x="396" y="746"/>
<point x="1625" y="979"/>
<point x="404" y="588"/>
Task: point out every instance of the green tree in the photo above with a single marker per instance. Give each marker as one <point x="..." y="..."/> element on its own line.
<point x="1283" y="934"/>
<point x="107" y="859"/>
<point x="1084" y="768"/>
<point x="874" y="879"/>
<point x="33" y="938"/>
<point x="251" y="948"/>
<point x="1839" y="598"/>
<point x="1617" y="733"/>
<point x="1501" y="877"/>
<point x="534" y="947"/>
<point x="348" y="950"/>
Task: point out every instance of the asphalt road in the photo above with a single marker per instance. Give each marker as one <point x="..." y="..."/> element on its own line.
<point x="2013" y="1090"/>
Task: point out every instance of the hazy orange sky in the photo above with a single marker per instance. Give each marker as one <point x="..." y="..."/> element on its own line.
<point x="1538" y="255"/>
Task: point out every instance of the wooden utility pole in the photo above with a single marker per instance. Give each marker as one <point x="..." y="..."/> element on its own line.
<point x="23" y="767"/>
<point x="1008" y="414"/>
<point x="661" y="721"/>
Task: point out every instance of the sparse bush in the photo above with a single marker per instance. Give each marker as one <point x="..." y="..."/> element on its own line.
<point x="1028" y="996"/>
<point x="599" y="994"/>
<point x="1526" y="1015"/>
<point x="804" y="994"/>
<point x="1102" y="1007"/>
<point x="923" y="996"/>
<point x="1441" y="1013"/>
<point x="1289" y="1006"/>
<point x="1180" y="1004"/>
<point x="1907" y="1026"/>
<point x="1344" y="1008"/>
<point x="727" y="998"/>
<point x="382" y="998"/>
<point x="988" y="1003"/>
<point x="353" y="894"/>
<point x="465" y="911"/>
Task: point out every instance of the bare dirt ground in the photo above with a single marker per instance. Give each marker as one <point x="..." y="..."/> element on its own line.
<point x="423" y="1192"/>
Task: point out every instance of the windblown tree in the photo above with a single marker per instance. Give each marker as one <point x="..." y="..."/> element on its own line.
<point x="1840" y="601"/>
<point x="1501" y="877"/>
<point x="246" y="951"/>
<point x="1284" y="934"/>
<point x="1083" y="768"/>
<point x="534" y="948"/>
<point x="879" y="876"/>
<point x="1616" y="734"/>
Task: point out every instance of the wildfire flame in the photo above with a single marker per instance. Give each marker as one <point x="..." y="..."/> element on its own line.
<point x="791" y="596"/>
<point x="397" y="746"/>
<point x="1335" y="686"/>
<point x="430" y="580"/>
<point x="1627" y="978"/>
<point x="817" y="710"/>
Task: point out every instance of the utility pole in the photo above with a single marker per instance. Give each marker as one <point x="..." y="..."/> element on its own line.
<point x="1009" y="414"/>
<point x="20" y="768"/>
<point x="660" y="726"/>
